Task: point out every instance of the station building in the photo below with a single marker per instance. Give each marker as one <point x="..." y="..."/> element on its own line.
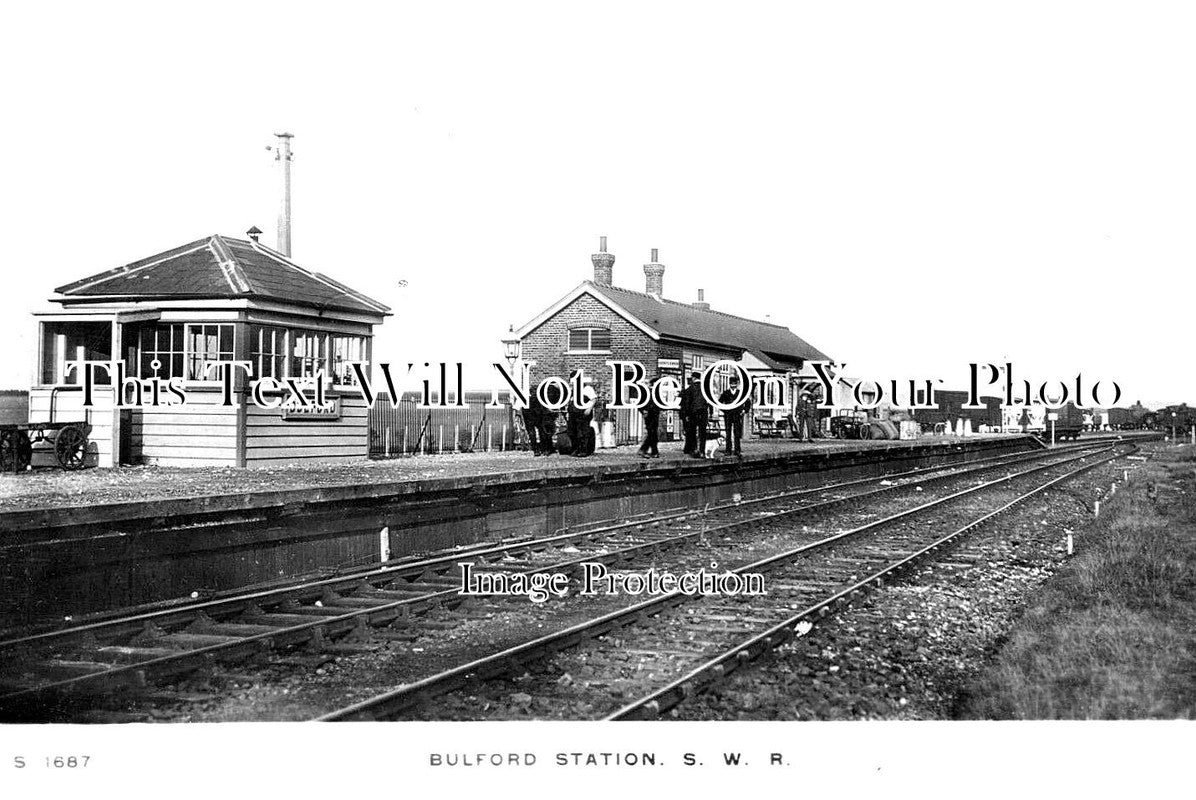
<point x="596" y="322"/>
<point x="171" y="315"/>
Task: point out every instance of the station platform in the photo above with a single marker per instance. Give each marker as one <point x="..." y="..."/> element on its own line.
<point x="60" y="492"/>
<point x="80" y="542"/>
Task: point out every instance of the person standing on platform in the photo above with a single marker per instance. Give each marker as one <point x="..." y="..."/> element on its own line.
<point x="581" y="432"/>
<point x="733" y="417"/>
<point x="695" y="415"/>
<point x="651" y="412"/>
<point x="532" y="420"/>
<point x="805" y="423"/>
<point x="578" y="418"/>
<point x="547" y="428"/>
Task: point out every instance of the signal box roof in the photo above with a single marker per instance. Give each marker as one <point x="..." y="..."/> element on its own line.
<point x="216" y="267"/>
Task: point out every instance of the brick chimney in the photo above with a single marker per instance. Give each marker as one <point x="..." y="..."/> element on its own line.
<point x="604" y="264"/>
<point x="702" y="304"/>
<point x="654" y="276"/>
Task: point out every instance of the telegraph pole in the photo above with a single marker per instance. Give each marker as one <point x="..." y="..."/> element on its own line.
<point x="283" y="153"/>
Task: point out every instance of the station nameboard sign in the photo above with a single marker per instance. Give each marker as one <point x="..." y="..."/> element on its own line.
<point x="330" y="410"/>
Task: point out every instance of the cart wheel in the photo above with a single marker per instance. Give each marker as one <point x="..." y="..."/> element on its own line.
<point x="70" y="447"/>
<point x="865" y="431"/>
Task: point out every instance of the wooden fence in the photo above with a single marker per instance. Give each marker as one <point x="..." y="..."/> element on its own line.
<point x="404" y="429"/>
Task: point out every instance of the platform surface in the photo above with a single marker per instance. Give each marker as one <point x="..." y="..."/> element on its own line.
<point x="57" y="489"/>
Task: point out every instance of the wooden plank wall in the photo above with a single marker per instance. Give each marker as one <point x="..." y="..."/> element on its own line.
<point x="198" y="434"/>
<point x="273" y="441"/>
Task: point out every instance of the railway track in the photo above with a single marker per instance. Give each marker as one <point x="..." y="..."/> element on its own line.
<point x="63" y="667"/>
<point x="641" y="660"/>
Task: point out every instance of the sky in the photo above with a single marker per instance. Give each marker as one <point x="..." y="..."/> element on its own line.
<point x="910" y="187"/>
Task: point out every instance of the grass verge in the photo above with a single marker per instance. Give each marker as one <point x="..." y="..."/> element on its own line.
<point x="1113" y="634"/>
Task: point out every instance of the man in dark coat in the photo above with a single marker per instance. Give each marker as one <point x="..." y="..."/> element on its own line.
<point x="581" y="433"/>
<point x="532" y="416"/>
<point x="806" y="418"/>
<point x="695" y="414"/>
<point x="733" y="417"/>
<point x="651" y="412"/>
<point x="547" y="424"/>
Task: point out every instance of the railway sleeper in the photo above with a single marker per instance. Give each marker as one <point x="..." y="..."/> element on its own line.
<point x="436" y="577"/>
<point x="234" y="629"/>
<point x="801" y="587"/>
<point x="62" y="669"/>
<point x="346" y="604"/>
<point x="706" y="644"/>
<point x="194" y="641"/>
<point x="391" y="594"/>
<point x="277" y="621"/>
<point x="180" y="697"/>
<point x="121" y="655"/>
<point x="316" y="611"/>
<point x="664" y="657"/>
<point x="719" y="629"/>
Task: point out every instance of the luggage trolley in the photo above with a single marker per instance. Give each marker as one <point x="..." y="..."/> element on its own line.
<point x="69" y="440"/>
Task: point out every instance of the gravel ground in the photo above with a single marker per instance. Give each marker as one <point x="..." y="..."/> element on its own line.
<point x="907" y="651"/>
<point x="54" y="488"/>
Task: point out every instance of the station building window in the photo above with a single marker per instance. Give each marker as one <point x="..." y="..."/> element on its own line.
<point x="309" y="354"/>
<point x="282" y="353"/>
<point x="207" y="344"/>
<point x="268" y="351"/>
<point x="589" y="340"/>
<point x="181" y="350"/>
<point x="346" y="350"/>
<point x="722" y="380"/>
<point x="67" y="342"/>
<point x="165" y="344"/>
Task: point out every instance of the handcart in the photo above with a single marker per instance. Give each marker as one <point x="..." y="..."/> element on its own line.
<point x="69" y="440"/>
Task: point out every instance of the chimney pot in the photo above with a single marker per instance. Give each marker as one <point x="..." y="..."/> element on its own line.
<point x="654" y="276"/>
<point x="604" y="264"/>
<point x="702" y="304"/>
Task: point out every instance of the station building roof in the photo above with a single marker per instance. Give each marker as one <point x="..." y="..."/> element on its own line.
<point x="774" y="345"/>
<point x="219" y="267"/>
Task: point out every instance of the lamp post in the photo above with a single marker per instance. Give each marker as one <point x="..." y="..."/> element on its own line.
<point x="512" y="346"/>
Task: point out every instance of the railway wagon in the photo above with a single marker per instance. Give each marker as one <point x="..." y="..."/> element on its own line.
<point x="950" y="409"/>
<point x="1120" y="419"/>
<point x="1067" y="423"/>
<point x="1134" y="417"/>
